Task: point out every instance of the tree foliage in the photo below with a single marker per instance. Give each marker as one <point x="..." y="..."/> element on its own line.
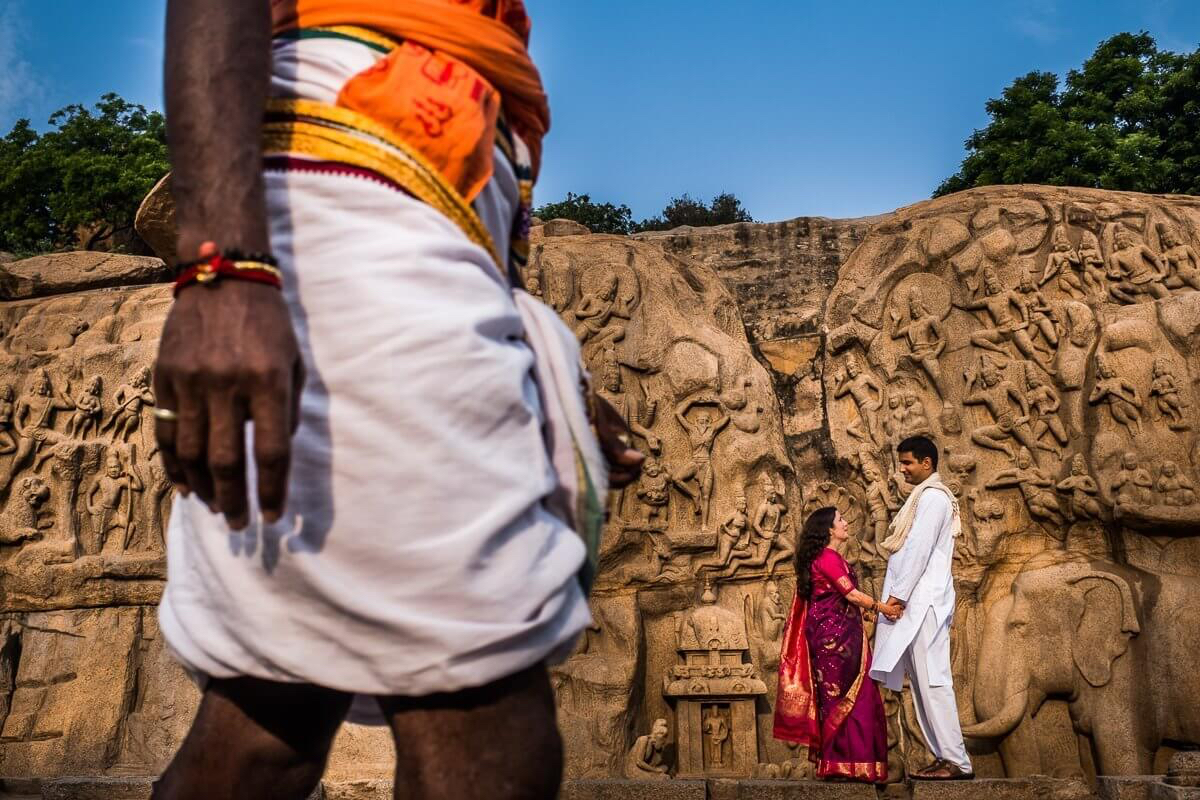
<point x="79" y="184"/>
<point x="598" y="217"/>
<point x="1128" y="119"/>
<point x="685" y="210"/>
<point x="609" y="218"/>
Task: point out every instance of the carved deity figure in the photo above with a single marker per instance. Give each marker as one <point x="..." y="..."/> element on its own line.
<point x="596" y="311"/>
<point x="999" y="302"/>
<point x="893" y="421"/>
<point x="1132" y="485"/>
<point x="1064" y="262"/>
<point x="87" y="410"/>
<point x="1082" y="491"/>
<point x="732" y="539"/>
<point x="637" y="414"/>
<point x="1121" y="396"/>
<point x="1035" y="486"/>
<point x="1182" y="263"/>
<point x="1038" y="312"/>
<point x="701" y="435"/>
<point x="114" y="506"/>
<point x="1165" y="391"/>
<point x="1044" y="404"/>
<point x="23" y="518"/>
<point x="716" y="731"/>
<point x="34" y="420"/>
<point x="995" y="394"/>
<point x="128" y="401"/>
<point x="7" y="443"/>
<point x="645" y="759"/>
<point x="925" y="337"/>
<point x="1134" y="269"/>
<point x="863" y="389"/>
<point x="1174" y="487"/>
<point x="1094" y="272"/>
<point x="654" y="490"/>
<point x="768" y="522"/>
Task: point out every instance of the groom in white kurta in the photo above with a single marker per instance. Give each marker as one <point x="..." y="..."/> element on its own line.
<point x="919" y="579"/>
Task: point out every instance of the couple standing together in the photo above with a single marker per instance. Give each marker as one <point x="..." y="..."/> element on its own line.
<point x="827" y="697"/>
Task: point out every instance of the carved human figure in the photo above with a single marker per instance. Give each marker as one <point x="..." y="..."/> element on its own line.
<point x="654" y="490"/>
<point x="998" y="396"/>
<point x="1165" y="391"/>
<point x="1035" y="486"/>
<point x="1132" y="485"/>
<point x="1044" y="404"/>
<point x="637" y="414"/>
<point x="916" y="421"/>
<point x="23" y="518"/>
<point x="1064" y="262"/>
<point x="893" y="422"/>
<point x="34" y="420"/>
<point x="644" y="761"/>
<point x="1093" y="263"/>
<point x="1134" y="269"/>
<point x="1082" y="491"/>
<point x="533" y="283"/>
<point x="159" y="490"/>
<point x="878" y="506"/>
<point x="716" y="731"/>
<point x="597" y="309"/>
<point x="1121" y="396"/>
<point x="925" y="337"/>
<point x="1174" y="487"/>
<point x="732" y="538"/>
<point x="701" y="435"/>
<point x="87" y="410"/>
<point x="863" y="389"/>
<point x="768" y="522"/>
<point x="128" y="402"/>
<point x="772" y="615"/>
<point x="999" y="303"/>
<point x="1038" y="311"/>
<point x="1182" y="263"/>
<point x="67" y="469"/>
<point x="7" y="443"/>
<point x="110" y="502"/>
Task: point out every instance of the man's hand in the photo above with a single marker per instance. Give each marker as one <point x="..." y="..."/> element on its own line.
<point x="228" y="354"/>
<point x="624" y="462"/>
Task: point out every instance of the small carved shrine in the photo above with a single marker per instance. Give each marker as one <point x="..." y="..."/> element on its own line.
<point x="714" y="691"/>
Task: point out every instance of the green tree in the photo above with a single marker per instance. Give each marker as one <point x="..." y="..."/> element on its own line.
<point x="79" y="184"/>
<point x="598" y="217"/>
<point x="1129" y="118"/>
<point x="686" y="210"/>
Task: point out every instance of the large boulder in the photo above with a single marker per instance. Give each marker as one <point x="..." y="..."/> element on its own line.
<point x="59" y="273"/>
<point x="155" y="220"/>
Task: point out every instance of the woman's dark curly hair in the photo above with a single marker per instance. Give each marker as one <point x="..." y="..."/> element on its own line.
<point x="818" y="530"/>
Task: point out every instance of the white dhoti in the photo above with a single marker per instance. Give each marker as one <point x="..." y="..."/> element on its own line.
<point x="416" y="554"/>
<point x="937" y="710"/>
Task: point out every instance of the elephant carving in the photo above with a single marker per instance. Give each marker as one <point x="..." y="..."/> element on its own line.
<point x="1117" y="645"/>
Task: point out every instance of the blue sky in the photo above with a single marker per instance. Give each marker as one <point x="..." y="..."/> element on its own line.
<point x="826" y="108"/>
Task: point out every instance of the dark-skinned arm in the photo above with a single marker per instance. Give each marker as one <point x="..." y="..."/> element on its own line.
<point x="228" y="351"/>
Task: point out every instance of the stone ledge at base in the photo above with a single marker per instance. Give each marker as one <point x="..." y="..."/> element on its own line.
<point x="618" y="789"/>
<point x="1032" y="788"/>
<point x="788" y="790"/>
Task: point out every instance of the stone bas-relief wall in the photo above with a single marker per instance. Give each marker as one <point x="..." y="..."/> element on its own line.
<point x="1043" y="335"/>
<point x="1046" y="339"/>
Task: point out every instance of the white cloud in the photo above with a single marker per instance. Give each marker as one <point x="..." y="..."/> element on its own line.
<point x="20" y="86"/>
<point x="1038" y="20"/>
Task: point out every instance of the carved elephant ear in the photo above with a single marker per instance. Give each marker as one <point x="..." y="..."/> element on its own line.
<point x="1106" y="622"/>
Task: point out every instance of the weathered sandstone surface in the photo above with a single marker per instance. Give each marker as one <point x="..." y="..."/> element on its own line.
<point x="1046" y="338"/>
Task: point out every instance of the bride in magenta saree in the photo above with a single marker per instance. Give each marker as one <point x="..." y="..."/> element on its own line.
<point x="826" y="699"/>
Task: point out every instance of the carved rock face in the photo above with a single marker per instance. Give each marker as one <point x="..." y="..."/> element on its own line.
<point x="1044" y="337"/>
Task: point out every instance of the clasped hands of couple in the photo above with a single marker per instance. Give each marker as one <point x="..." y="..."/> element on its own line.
<point x="893" y="609"/>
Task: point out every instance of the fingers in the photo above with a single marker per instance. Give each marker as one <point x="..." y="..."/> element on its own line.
<point x="625" y="462"/>
<point x="191" y="443"/>
<point x="165" y="433"/>
<point x="227" y="455"/>
<point x="276" y="414"/>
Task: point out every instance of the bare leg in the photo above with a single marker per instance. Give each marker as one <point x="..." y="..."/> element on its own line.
<point x="257" y="740"/>
<point x="497" y="740"/>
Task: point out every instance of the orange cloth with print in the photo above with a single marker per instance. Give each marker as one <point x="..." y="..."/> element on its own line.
<point x="441" y="90"/>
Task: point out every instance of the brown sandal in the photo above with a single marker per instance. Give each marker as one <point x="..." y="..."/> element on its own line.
<point x="942" y="770"/>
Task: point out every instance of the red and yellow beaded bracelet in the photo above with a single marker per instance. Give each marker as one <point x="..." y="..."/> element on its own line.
<point x="206" y="270"/>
